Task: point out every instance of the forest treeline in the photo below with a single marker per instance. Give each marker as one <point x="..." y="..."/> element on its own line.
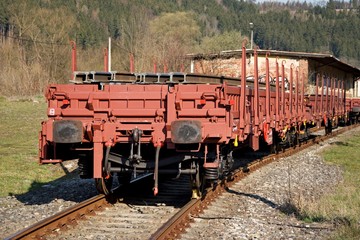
<point x="35" y="34"/>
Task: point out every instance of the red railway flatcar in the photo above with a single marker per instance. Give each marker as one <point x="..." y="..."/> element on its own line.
<point x="127" y="125"/>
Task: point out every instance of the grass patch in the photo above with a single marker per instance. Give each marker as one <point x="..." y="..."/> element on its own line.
<point x="342" y="207"/>
<point x="347" y="232"/>
<point x="20" y="122"/>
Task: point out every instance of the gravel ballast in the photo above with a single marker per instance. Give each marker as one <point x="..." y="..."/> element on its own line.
<point x="262" y="205"/>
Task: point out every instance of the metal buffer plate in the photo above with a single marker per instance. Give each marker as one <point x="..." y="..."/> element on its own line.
<point x="68" y="131"/>
<point x="186" y="131"/>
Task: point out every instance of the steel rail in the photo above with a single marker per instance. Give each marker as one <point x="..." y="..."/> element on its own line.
<point x="62" y="219"/>
<point x="158" y="78"/>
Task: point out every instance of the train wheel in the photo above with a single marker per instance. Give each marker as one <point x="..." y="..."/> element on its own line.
<point x="328" y="126"/>
<point x="104" y="185"/>
<point x="275" y="146"/>
<point x="294" y="139"/>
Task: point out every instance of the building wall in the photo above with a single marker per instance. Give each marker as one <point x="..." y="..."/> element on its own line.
<point x="357" y="88"/>
<point x="306" y="70"/>
<point x="332" y="73"/>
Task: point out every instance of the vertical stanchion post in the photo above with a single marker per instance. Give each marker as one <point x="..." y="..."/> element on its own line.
<point x="322" y="96"/>
<point x="109" y="55"/>
<point x="283" y="90"/>
<point x="331" y="96"/>
<point x="327" y="98"/>
<point x="256" y="92"/>
<point x="291" y="114"/>
<point x="277" y="97"/>
<point x="343" y="96"/>
<point x="242" y="105"/>
<point x="132" y="63"/>
<point x="337" y="97"/>
<point x="268" y="119"/>
<point x="316" y="97"/>
<point x="73" y="58"/>
<point x="297" y="95"/>
<point x="302" y="96"/>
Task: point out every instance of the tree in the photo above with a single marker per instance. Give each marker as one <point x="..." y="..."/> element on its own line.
<point x="43" y="43"/>
<point x="226" y="41"/>
<point x="174" y="35"/>
<point x="134" y="40"/>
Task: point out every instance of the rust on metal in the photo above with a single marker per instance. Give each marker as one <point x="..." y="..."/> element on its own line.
<point x="62" y="220"/>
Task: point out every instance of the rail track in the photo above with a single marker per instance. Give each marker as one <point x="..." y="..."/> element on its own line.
<point x="179" y="222"/>
<point x="129" y="208"/>
<point x="136" y="215"/>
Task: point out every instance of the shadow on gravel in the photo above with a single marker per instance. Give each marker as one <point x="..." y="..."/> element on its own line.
<point x="70" y="187"/>
<point x="340" y="143"/>
<point x="254" y="196"/>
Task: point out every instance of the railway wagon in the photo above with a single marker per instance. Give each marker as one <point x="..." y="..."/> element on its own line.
<point x="128" y="125"/>
<point x="352" y="110"/>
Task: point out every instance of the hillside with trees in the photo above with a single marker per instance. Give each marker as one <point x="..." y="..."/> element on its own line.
<point x="35" y="34"/>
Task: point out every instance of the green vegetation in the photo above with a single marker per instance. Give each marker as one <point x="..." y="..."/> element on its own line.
<point x="341" y="207"/>
<point x="20" y="124"/>
<point x="35" y="34"/>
